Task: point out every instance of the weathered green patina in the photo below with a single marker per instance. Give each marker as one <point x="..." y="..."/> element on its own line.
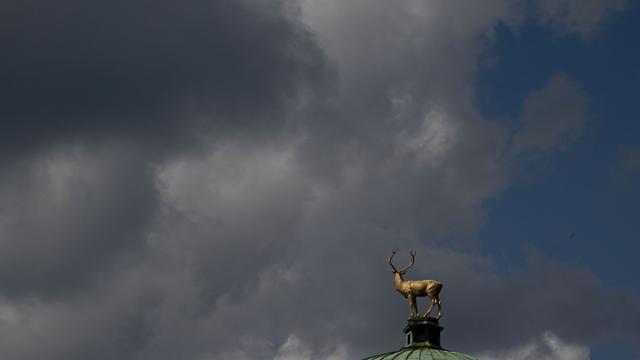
<point x="421" y="353"/>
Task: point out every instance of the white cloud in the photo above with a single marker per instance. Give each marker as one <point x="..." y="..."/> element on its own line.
<point x="547" y="347"/>
<point x="294" y="349"/>
<point x="432" y="141"/>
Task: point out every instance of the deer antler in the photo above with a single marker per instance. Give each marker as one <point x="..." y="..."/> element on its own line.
<point x="393" y="252"/>
<point x="413" y="260"/>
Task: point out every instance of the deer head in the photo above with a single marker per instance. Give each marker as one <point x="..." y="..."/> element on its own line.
<point x="403" y="271"/>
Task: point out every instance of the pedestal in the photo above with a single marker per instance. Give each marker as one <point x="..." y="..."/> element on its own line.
<point x="423" y="332"/>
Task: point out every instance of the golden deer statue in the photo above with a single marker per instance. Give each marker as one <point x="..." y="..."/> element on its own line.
<point x="411" y="289"/>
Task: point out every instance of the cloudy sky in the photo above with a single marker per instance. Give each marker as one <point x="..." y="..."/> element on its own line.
<point x="225" y="179"/>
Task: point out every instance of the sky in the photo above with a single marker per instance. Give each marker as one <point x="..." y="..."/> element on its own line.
<point x="226" y="179"/>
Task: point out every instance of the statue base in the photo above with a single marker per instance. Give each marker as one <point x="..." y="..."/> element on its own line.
<point x="423" y="332"/>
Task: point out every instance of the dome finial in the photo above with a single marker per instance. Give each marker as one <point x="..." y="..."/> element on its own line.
<point x="422" y="331"/>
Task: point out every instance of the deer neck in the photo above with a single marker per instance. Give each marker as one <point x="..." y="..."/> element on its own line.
<point x="398" y="280"/>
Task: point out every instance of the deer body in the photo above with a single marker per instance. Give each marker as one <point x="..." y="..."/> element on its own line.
<point x="419" y="288"/>
<point x="411" y="289"/>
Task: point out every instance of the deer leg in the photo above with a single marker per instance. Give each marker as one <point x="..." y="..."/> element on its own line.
<point x="412" y="305"/>
<point x="429" y="309"/>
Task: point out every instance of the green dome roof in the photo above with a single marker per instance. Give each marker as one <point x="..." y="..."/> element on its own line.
<point x="422" y="343"/>
<point x="421" y="353"/>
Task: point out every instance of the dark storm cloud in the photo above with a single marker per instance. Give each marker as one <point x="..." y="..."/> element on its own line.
<point x="94" y="96"/>
<point x="107" y="323"/>
<point x="85" y="84"/>
<point x="67" y="216"/>
<point x="550" y="297"/>
<point x="157" y="71"/>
